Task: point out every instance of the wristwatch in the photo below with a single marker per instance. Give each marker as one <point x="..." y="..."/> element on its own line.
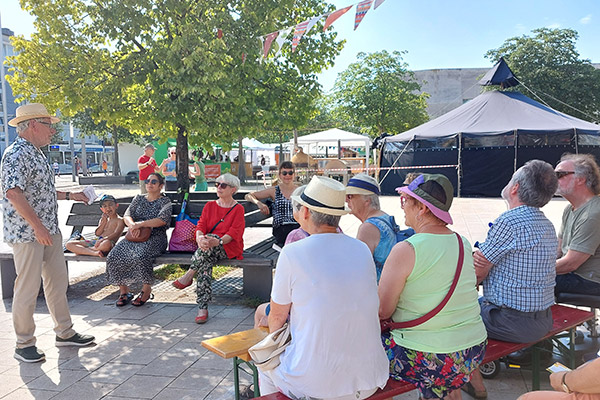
<point x="67" y="196"/>
<point x="565" y="388"/>
<point x="221" y="241"/>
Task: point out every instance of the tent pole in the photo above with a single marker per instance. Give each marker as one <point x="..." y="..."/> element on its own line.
<point x="459" y="169"/>
<point x="576" y="140"/>
<point x="515" y="158"/>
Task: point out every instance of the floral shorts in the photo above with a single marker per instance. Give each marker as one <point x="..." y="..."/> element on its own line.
<point x="435" y="375"/>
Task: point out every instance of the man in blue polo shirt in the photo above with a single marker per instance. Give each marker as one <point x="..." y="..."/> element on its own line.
<point x="516" y="263"/>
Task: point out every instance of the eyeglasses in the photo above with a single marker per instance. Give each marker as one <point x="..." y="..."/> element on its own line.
<point x="402" y="201"/>
<point x="222" y="185"/>
<point x="173" y="152"/>
<point x="49" y="124"/>
<point x="151" y="181"/>
<point x="284" y="173"/>
<point x="562" y="174"/>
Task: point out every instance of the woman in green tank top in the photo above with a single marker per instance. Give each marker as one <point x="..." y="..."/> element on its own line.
<point x="439" y="354"/>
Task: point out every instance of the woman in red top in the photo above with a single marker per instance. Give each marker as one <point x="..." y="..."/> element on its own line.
<point x="219" y="235"/>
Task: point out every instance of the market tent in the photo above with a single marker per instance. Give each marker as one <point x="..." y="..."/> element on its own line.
<point x="485" y="140"/>
<point x="332" y="137"/>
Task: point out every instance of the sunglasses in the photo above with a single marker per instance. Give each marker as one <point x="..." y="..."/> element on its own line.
<point x="151" y="181"/>
<point x="284" y="173"/>
<point x="562" y="174"/>
<point x="222" y="185"/>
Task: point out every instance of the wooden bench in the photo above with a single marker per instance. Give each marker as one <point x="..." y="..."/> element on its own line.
<point x="565" y="319"/>
<point x="257" y="264"/>
<point x="236" y="346"/>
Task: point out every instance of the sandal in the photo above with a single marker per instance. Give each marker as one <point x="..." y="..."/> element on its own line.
<point x="180" y="285"/>
<point x="124" y="299"/>
<point x="138" y="300"/>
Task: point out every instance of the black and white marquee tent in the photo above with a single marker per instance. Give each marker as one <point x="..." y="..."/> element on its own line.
<point x="480" y="144"/>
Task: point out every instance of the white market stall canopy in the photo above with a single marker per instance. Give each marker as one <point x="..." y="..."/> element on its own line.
<point x="331" y="138"/>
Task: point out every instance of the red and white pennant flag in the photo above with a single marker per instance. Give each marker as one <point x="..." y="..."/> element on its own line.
<point x="301" y="29"/>
<point x="267" y="43"/>
<point x="361" y="11"/>
<point x="377" y="4"/>
<point x="331" y="18"/>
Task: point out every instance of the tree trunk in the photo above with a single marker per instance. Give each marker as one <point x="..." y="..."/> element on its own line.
<point x="241" y="162"/>
<point x="183" y="169"/>
<point x="116" y="166"/>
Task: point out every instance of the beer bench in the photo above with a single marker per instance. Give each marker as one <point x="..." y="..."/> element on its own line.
<point x="257" y="264"/>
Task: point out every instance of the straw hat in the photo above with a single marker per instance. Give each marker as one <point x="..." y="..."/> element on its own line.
<point x="31" y="111"/>
<point x="363" y="184"/>
<point x="438" y="208"/>
<point x="324" y="195"/>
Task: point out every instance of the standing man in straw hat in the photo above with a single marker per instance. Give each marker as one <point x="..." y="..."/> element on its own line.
<point x="31" y="229"/>
<point x="327" y="284"/>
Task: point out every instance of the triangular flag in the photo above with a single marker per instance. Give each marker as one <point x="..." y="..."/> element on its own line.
<point x="301" y="29"/>
<point x="361" y="11"/>
<point x="377" y="4"/>
<point x="243" y="58"/>
<point x="331" y="18"/>
<point x="298" y="32"/>
<point x="219" y="33"/>
<point x="283" y="34"/>
<point x="267" y="44"/>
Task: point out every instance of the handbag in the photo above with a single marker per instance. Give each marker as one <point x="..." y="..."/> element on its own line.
<point x="388" y="325"/>
<point x="144" y="235"/>
<point x="183" y="237"/>
<point x="265" y="353"/>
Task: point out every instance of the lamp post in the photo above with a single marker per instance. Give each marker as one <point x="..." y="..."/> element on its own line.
<point x="74" y="169"/>
<point x="4" y="104"/>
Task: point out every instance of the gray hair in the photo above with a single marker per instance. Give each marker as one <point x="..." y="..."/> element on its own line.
<point x="319" y="219"/>
<point x="537" y="183"/>
<point x="373" y="200"/>
<point x="229" y="179"/>
<point x="297" y="192"/>
<point x="585" y="167"/>
<point x="23" y="125"/>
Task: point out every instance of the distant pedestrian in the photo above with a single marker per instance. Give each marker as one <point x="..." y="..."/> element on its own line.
<point x="31" y="229"/>
<point x="56" y="168"/>
<point x="105" y="167"/>
<point x="146" y="165"/>
<point x="76" y="165"/>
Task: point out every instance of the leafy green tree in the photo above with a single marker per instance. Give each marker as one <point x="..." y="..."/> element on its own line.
<point x="171" y="68"/>
<point x="379" y="94"/>
<point x="548" y="64"/>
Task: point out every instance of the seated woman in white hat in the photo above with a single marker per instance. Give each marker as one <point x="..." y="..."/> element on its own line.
<point x="326" y="285"/>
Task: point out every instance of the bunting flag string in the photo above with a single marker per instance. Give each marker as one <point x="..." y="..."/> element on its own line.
<point x="334" y="16"/>
<point x="267" y="43"/>
<point x="377" y="4"/>
<point x="302" y="28"/>
<point x="361" y="11"/>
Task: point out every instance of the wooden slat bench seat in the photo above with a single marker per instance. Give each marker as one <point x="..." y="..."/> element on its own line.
<point x="257" y="264"/>
<point x="236" y="346"/>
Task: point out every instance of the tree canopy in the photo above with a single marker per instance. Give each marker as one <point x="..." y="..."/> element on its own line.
<point x="379" y="94"/>
<point x="548" y="64"/>
<point x="172" y="68"/>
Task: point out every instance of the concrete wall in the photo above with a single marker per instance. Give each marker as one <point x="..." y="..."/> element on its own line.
<point x="449" y="88"/>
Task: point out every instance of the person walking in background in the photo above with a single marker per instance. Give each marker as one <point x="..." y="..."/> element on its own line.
<point x="146" y="165"/>
<point x="31" y="228"/>
<point x="56" y="168"/>
<point x="168" y="168"/>
<point x="76" y="165"/>
<point x="105" y="167"/>
<point x="198" y="172"/>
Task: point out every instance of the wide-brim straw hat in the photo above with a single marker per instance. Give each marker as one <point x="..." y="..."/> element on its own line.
<point x="324" y="195"/>
<point x="32" y="111"/>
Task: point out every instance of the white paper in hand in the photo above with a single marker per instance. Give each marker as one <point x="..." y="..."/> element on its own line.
<point x="90" y="193"/>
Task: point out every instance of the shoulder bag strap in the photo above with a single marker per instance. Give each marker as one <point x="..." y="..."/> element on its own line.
<point x="432" y="313"/>
<point x="223" y="219"/>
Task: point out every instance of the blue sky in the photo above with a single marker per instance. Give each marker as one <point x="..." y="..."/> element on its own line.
<point x="435" y="33"/>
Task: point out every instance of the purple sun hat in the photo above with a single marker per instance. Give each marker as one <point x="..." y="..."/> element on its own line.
<point x="438" y="208"/>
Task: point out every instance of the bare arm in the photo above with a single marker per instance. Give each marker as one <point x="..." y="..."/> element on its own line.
<point x="396" y="270"/>
<point x="255" y="198"/>
<point x="369" y="234"/>
<point x="278" y="315"/>
<point x="582" y="380"/>
<point x="482" y="266"/>
<point x="570" y="261"/>
<point x="101" y="225"/>
<point x="144" y="165"/>
<point x="115" y="234"/>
